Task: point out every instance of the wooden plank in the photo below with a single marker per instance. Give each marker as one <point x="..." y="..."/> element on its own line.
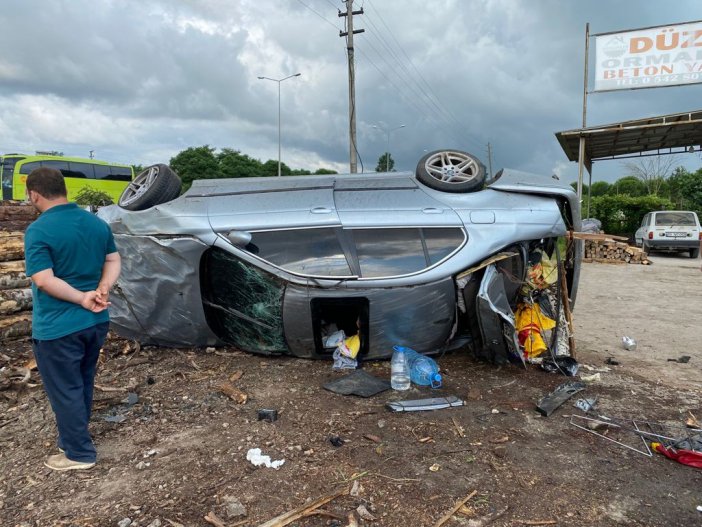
<point x="593" y="236"/>
<point x="288" y="517"/>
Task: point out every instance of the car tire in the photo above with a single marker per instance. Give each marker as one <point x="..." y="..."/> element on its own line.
<point x="694" y="253"/>
<point x="451" y="171"/>
<point x="154" y="185"/>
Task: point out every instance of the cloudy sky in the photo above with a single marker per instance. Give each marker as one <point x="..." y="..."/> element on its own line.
<point x="138" y="81"/>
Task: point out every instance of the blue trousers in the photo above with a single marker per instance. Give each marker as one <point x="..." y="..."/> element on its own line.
<point x="67" y="366"/>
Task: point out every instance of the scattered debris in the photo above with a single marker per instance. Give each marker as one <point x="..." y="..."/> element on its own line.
<point x="257" y="459"/>
<point x="233" y="507"/>
<point x="356" y="489"/>
<point x="14" y="377"/>
<point x="586" y="404"/>
<point x="499" y="440"/>
<point x="433" y="403"/>
<point x="233" y="393"/>
<point x="537" y="522"/>
<point x="460" y="503"/>
<point x="295" y="514"/>
<point x="371" y="437"/>
<point x="548" y="404"/>
<point x="612" y="361"/>
<point x="358" y="383"/>
<point x="336" y="441"/>
<point x="692" y="422"/>
<point x="266" y="414"/>
<point x="568" y="366"/>
<point x="628" y="343"/>
<point x="124" y="522"/>
<point x="682" y="360"/>
<point x="485" y="520"/>
<point x="435" y="467"/>
<point x="459" y="429"/>
<point x="595" y="377"/>
<point x="212" y="518"/>
<point x="621" y="424"/>
<point x="236" y="376"/>
<point x="364" y="514"/>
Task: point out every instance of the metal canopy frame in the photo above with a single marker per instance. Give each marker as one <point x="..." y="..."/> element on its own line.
<point x="666" y="134"/>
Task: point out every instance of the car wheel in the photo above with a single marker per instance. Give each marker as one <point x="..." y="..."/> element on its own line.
<point x="451" y="171"/>
<point x="694" y="253"/>
<point x="156" y="184"/>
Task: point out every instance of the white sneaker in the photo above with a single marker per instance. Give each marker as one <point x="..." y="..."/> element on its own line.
<point x="61" y="462"/>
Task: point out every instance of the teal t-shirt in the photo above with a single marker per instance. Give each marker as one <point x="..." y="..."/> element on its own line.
<point x="74" y="243"/>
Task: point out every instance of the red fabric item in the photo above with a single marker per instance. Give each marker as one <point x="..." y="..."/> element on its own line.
<point x="686" y="457"/>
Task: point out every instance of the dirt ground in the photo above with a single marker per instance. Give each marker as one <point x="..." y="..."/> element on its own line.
<point x="180" y="452"/>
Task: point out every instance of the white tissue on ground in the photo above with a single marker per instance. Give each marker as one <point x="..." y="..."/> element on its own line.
<point x="257" y="459"/>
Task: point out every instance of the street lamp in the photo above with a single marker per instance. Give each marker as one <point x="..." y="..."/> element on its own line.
<point x="279" y="81"/>
<point x="387" y="152"/>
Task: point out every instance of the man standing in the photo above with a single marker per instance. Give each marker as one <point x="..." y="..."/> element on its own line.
<point x="73" y="262"/>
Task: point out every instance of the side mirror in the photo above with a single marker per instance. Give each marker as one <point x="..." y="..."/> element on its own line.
<point x="239" y="238"/>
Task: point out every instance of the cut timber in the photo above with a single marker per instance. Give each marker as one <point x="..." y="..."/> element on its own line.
<point x="15" y="326"/>
<point x="18" y="212"/>
<point x="593" y="236"/>
<point x="14" y="300"/>
<point x="12" y="275"/>
<point x="11" y="246"/>
<point x="295" y="514"/>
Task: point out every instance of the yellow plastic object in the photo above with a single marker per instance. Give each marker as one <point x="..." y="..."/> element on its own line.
<point x="351" y="346"/>
<point x="531" y="324"/>
<point x="542" y="274"/>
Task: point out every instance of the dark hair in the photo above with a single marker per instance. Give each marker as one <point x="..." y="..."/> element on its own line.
<point x="48" y="182"/>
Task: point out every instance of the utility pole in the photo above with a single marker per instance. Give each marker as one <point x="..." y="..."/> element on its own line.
<point x="490" y="158"/>
<point x="349" y="33"/>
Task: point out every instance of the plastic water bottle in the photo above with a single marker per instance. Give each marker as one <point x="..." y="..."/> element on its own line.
<point x="423" y="370"/>
<point x="399" y="371"/>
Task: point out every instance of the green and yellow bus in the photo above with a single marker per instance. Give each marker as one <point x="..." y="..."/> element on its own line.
<point x="111" y="178"/>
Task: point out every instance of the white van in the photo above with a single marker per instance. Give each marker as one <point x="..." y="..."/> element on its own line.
<point x="670" y="230"/>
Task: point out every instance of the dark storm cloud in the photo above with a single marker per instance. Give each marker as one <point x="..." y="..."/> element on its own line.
<point x="140" y="81"/>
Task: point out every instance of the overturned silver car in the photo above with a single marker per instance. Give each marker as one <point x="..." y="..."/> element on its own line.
<point x="434" y="259"/>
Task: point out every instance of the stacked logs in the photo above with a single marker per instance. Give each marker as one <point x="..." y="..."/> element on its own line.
<point x="15" y="294"/>
<point x="609" y="250"/>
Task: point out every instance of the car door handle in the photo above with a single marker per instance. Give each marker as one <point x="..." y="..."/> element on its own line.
<point x="432" y="210"/>
<point x="320" y="210"/>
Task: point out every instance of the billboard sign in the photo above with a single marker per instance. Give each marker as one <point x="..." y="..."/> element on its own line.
<point x="649" y="58"/>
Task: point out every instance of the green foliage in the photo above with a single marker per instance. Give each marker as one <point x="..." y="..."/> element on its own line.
<point x="685" y="190"/>
<point x="323" y="171"/>
<point x="599" y="188"/>
<point x="91" y="197"/>
<point x="233" y="164"/>
<point x="622" y="214"/>
<point x="197" y="162"/>
<point x="385" y="163"/>
<point x="629" y="185"/>
<point x="138" y="168"/>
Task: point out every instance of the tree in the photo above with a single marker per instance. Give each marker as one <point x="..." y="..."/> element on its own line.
<point x="628" y="185"/>
<point x="685" y="189"/>
<point x="599" y="188"/>
<point x="233" y="164"/>
<point x="270" y="168"/>
<point x="196" y="162"/>
<point x="322" y="171"/>
<point x="651" y="171"/>
<point x="385" y="163"/>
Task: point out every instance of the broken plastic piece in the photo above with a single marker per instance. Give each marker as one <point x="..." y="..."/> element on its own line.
<point x="358" y="383"/>
<point x="586" y="404"/>
<point x="418" y="405"/>
<point x="568" y="366"/>
<point x="548" y="404"/>
<point x="629" y="343"/>
<point x="266" y="414"/>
